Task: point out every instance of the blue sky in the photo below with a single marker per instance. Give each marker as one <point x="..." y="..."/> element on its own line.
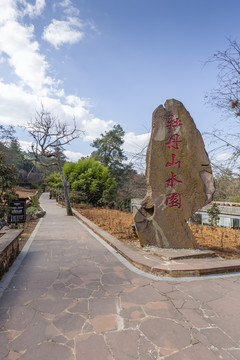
<point x="110" y="62"/>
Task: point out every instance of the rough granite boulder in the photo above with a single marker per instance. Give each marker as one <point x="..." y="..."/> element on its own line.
<point x="179" y="179"/>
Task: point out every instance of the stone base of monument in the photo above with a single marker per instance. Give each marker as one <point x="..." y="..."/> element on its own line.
<point x="173" y="254"/>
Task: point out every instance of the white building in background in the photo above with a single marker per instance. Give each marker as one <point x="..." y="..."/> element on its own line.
<point x="229" y="213"/>
<point x="135" y="205"/>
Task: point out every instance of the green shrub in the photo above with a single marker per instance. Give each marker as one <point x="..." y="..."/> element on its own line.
<point x="77" y="197"/>
<point x="213" y="213"/>
<point x="31" y="210"/>
<point x="35" y="200"/>
<point x="92" y="179"/>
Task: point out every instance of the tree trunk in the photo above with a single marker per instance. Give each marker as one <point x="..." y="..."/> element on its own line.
<point x="65" y="188"/>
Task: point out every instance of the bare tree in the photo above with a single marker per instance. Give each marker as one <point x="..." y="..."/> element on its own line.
<point x="225" y="151"/>
<point x="227" y="95"/>
<point x="50" y="136"/>
<point x="227" y="98"/>
<point x="134" y="187"/>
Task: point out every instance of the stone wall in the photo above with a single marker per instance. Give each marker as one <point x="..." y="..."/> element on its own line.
<point x="9" y="248"/>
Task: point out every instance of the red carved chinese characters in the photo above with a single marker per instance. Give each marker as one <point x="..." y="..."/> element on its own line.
<point x="173" y="123"/>
<point x="170" y="182"/>
<point x="173" y="142"/>
<point x="174" y="200"/>
<point x="174" y="163"/>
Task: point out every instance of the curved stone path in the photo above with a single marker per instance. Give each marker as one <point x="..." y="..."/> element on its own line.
<point x="71" y="299"/>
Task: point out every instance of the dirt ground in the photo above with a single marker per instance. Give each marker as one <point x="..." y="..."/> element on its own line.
<point x="224" y="241"/>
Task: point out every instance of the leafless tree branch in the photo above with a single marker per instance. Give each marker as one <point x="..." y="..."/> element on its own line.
<point x="50" y="135"/>
<point x="227" y="98"/>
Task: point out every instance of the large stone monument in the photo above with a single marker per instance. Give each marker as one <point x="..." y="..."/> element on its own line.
<point x="179" y="179"/>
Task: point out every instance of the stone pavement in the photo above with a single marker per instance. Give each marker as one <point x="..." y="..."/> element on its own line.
<point x="72" y="299"/>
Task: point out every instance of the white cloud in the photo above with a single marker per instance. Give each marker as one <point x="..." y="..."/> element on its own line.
<point x="20" y="51"/>
<point x="17" y="42"/>
<point x="70" y="29"/>
<point x="224" y="157"/>
<point x="94" y="127"/>
<point x="135" y="144"/>
<point x="61" y="32"/>
<point x="33" y="10"/>
<point x="76" y="101"/>
<point x="65" y="3"/>
<point x="69" y="8"/>
<point x="25" y="145"/>
<point x="8" y="11"/>
<point x="73" y="156"/>
<point x="16" y="105"/>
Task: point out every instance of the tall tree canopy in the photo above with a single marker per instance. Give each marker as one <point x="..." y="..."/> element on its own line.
<point x="6" y="133"/>
<point x="110" y="153"/>
<point x="227" y="186"/>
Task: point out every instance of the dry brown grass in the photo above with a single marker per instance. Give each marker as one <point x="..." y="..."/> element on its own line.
<point x="24" y="193"/>
<point x="117" y="223"/>
<point x="224" y="241"/>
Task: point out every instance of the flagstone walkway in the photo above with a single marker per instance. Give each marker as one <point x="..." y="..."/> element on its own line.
<point x="72" y="299"/>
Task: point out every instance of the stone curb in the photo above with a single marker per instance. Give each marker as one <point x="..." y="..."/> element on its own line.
<point x="153" y="264"/>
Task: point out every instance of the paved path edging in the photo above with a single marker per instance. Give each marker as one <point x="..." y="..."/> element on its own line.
<point x="9" y="275"/>
<point x="169" y="268"/>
